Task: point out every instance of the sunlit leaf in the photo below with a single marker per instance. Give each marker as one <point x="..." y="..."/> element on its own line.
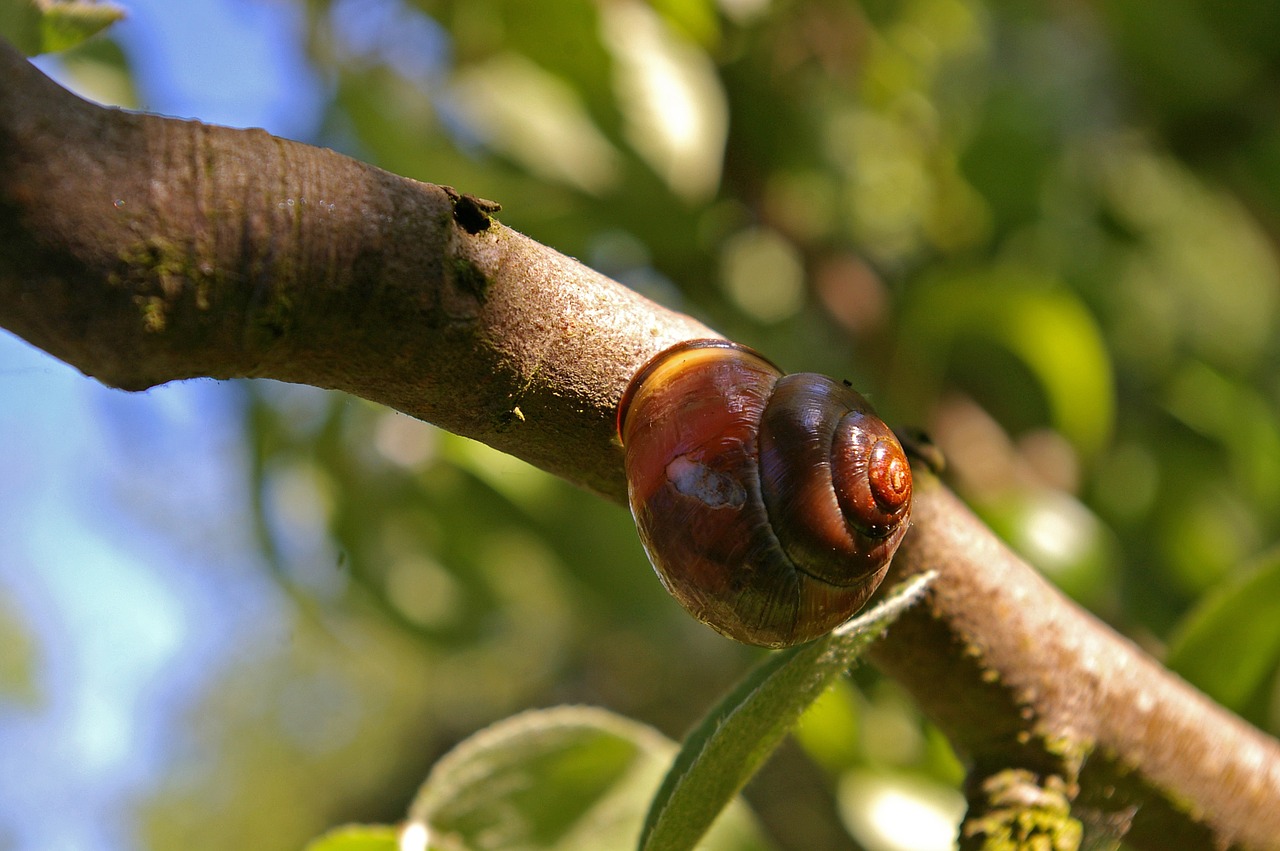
<point x="516" y="107"/>
<point x="669" y="92"/>
<point x="47" y="26"/>
<point x="1058" y="534"/>
<point x="65" y="25"/>
<point x="570" y="778"/>
<point x="1040" y="322"/>
<point x="735" y="738"/>
<point x="695" y="18"/>
<point x="357" y="837"/>
<point x="897" y="811"/>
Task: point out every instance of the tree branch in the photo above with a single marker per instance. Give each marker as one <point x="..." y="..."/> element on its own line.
<point x="1019" y="676"/>
<point x="143" y="250"/>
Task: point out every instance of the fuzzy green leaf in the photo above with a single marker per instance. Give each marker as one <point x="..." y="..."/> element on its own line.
<point x="570" y="778"/>
<point x="736" y="737"/>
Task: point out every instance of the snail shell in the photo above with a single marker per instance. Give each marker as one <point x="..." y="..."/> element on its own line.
<point x="769" y="504"/>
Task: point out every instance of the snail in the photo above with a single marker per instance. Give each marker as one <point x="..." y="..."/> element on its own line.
<point x="770" y="505"/>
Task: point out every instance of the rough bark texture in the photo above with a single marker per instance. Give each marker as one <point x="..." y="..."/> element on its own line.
<point x="144" y="250"/>
<point x="1019" y="676"/>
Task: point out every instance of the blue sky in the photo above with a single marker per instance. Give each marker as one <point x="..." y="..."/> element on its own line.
<point x="123" y="619"/>
<point x="127" y="622"/>
<point x="231" y="62"/>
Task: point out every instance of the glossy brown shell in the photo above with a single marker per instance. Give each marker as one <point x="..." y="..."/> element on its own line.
<point x="769" y="505"/>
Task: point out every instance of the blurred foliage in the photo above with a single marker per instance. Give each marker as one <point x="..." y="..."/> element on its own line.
<point x="357" y="838"/>
<point x="1046" y="232"/>
<point x="46" y="26"/>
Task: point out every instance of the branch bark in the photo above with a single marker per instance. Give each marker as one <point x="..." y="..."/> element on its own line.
<point x="144" y="250"/>
<point x="1019" y="676"/>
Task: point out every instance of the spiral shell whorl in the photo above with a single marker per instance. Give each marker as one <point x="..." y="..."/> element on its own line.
<point x="769" y="505"/>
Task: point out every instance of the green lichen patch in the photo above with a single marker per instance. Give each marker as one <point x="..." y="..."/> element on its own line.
<point x="156" y="270"/>
<point x="158" y="259"/>
<point x="469" y="278"/>
<point x="153" y="313"/>
<point x="161" y="273"/>
<point x="276" y="316"/>
<point x="1018" y="811"/>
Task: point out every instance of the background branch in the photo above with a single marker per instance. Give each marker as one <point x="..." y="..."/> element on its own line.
<point x="143" y="250"/>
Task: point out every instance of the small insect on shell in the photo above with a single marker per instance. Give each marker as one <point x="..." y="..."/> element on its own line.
<point x="769" y="505"/>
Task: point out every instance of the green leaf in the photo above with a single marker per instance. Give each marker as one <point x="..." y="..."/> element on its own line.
<point x="20" y="24"/>
<point x="67" y="24"/>
<point x="696" y="19"/>
<point x="1242" y="620"/>
<point x="1046" y="326"/>
<point x="570" y="778"/>
<point x="47" y="26"/>
<point x="735" y="738"/>
<point x="356" y="837"/>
